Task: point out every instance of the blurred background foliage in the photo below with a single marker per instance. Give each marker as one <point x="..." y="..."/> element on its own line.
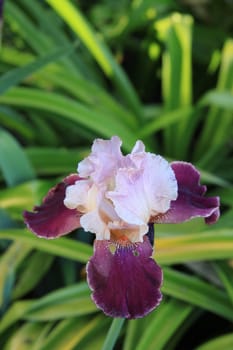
<point x="160" y="71"/>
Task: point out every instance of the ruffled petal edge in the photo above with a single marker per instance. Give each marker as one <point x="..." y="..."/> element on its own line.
<point x="124" y="279"/>
<point x="190" y="202"/>
<point x="52" y="218"/>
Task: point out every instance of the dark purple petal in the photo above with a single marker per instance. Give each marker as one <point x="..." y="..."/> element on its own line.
<point x="124" y="279"/>
<point x="151" y="233"/>
<point x="190" y="202"/>
<point x="52" y="219"/>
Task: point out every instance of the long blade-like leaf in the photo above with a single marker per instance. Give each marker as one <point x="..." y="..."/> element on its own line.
<point x="14" y="164"/>
<point x="16" y="75"/>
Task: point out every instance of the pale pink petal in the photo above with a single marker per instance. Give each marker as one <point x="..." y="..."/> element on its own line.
<point x="128" y="198"/>
<point x="92" y="222"/>
<point x="159" y="182"/>
<point x="103" y="161"/>
<point x="138" y="147"/>
<point x="77" y="195"/>
<point x="144" y="190"/>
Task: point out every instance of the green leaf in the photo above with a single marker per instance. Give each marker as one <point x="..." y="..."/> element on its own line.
<point x="70" y="110"/>
<point x="34" y="37"/>
<point x="61" y="247"/>
<point x="221" y="99"/>
<point x="215" y="135"/>
<point x="216" y="244"/>
<point x="226" y="195"/>
<point x="176" y="32"/>
<point x="213" y="179"/>
<point x="16" y="75"/>
<point x="75" y="333"/>
<point x="13" y="161"/>
<point x="14" y="122"/>
<point x="64" y="303"/>
<point x="177" y="74"/>
<point x="25" y="337"/>
<point x="197" y="292"/>
<point x="225" y="273"/>
<point x="167" y="319"/>
<point x="9" y="262"/>
<point x="25" y="195"/>
<point x="55" y="161"/>
<point x="90" y="93"/>
<point x="165" y="120"/>
<point x="113" y="333"/>
<point x="1" y="21"/>
<point x="14" y="314"/>
<point x="80" y="305"/>
<point x="6" y="221"/>
<point x="99" y="50"/>
<point x="223" y="342"/>
<point x="32" y="273"/>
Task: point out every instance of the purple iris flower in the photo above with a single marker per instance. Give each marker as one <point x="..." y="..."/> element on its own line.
<point x="119" y="198"/>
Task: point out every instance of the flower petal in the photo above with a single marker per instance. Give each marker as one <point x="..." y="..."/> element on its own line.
<point x="92" y="222"/>
<point x="124" y="279"/>
<point x="53" y="219"/>
<point x="191" y="202"/>
<point x="103" y="160"/>
<point x="76" y="196"/>
<point x="143" y="190"/>
<point x="138" y="147"/>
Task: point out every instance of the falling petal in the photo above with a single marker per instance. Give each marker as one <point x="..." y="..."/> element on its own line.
<point x="124" y="279"/>
<point x="52" y="219"/>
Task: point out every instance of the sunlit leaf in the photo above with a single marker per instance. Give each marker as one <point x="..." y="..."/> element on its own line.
<point x="197" y="292"/>
<point x="223" y="342"/>
<point x="62" y="247"/>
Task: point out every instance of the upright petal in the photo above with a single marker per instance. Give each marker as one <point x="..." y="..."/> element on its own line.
<point x="144" y="189"/>
<point x="52" y="218"/>
<point x="103" y="161"/>
<point x="138" y="147"/>
<point x="124" y="279"/>
<point x="190" y="202"/>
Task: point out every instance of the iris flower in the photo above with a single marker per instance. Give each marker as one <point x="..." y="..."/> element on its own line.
<point x="119" y="198"/>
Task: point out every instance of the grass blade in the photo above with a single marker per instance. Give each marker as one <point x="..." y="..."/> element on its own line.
<point x="225" y="272"/>
<point x="73" y="111"/>
<point x="75" y="333"/>
<point x="223" y="342"/>
<point x="176" y="32"/>
<point x="13" y="161"/>
<point x="217" y="244"/>
<point x="167" y="319"/>
<point x="99" y="50"/>
<point x="113" y="333"/>
<point x="197" y="292"/>
<point x="214" y="134"/>
<point x="61" y="247"/>
<point x="16" y="75"/>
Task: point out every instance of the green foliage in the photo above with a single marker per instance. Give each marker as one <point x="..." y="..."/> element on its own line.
<point x="137" y="69"/>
